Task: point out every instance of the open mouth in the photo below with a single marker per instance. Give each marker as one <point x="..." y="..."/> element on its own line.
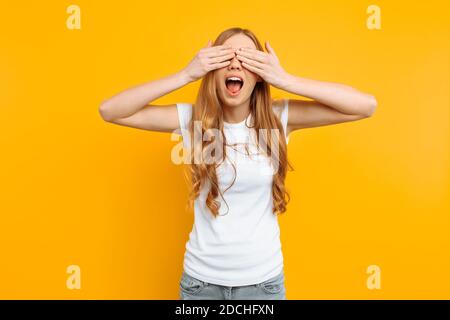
<point x="234" y="85"/>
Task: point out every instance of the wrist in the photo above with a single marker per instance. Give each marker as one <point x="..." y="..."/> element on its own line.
<point x="184" y="76"/>
<point x="286" y="81"/>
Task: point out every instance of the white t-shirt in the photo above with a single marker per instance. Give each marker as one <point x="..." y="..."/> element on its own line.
<point x="241" y="246"/>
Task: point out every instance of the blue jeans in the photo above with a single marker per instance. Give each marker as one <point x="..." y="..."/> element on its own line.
<point x="195" y="289"/>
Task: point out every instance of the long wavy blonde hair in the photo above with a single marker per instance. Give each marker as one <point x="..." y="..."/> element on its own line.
<point x="208" y="111"/>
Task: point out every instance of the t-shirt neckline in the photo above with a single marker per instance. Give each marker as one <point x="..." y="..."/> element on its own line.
<point x="236" y="124"/>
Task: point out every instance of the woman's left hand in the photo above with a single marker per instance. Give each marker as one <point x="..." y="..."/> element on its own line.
<point x="266" y="65"/>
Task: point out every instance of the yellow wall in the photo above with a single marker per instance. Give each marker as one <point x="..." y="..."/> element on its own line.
<point x="78" y="191"/>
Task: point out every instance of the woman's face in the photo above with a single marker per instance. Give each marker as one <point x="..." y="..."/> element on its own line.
<point x="234" y="93"/>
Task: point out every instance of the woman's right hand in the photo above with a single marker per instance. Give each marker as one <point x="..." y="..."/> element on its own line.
<point x="207" y="59"/>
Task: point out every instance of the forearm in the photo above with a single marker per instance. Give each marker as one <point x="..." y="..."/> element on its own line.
<point x="338" y="96"/>
<point x="129" y="101"/>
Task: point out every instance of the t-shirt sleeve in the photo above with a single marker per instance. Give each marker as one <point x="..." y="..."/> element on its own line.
<point x="184" y="116"/>
<point x="282" y="112"/>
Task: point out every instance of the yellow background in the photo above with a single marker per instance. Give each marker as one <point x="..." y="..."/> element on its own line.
<point x="76" y="190"/>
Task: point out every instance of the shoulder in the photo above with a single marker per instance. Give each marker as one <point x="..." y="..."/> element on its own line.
<point x="279" y="106"/>
<point x="184" y="107"/>
<point x="184" y="113"/>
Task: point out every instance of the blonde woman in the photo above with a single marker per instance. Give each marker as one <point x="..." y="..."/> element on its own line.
<point x="234" y="249"/>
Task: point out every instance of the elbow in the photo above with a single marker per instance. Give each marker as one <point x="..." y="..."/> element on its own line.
<point x="371" y="106"/>
<point x="103" y="110"/>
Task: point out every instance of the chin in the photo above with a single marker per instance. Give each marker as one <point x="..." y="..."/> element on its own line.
<point x="234" y="100"/>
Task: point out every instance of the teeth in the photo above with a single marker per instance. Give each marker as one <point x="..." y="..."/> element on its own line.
<point x="234" y="78"/>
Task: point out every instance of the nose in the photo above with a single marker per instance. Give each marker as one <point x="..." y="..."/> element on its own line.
<point x="235" y="63"/>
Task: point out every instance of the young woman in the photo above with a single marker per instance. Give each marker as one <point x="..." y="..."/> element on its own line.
<point x="234" y="249"/>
